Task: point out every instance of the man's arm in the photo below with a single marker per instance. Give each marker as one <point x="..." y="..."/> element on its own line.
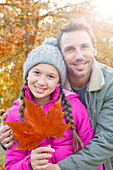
<point x="100" y="148"/>
<point x="6" y="135"/>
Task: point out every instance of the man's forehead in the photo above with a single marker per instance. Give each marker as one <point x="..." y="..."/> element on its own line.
<point x="75" y="37"/>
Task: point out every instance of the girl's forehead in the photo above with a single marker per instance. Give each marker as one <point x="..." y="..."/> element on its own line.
<point x="45" y="67"/>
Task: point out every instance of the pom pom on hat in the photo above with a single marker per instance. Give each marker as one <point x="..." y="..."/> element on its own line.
<point x="48" y="53"/>
<point x="50" y="41"/>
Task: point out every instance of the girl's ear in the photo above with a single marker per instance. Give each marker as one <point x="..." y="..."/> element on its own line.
<point x="58" y="84"/>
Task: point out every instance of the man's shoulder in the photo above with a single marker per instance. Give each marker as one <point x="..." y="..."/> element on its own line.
<point x="108" y="74"/>
<point x="106" y="69"/>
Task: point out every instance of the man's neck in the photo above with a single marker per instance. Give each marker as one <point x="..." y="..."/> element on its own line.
<point x="78" y="82"/>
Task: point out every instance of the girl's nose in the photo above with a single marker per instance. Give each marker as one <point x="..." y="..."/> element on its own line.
<point x="42" y="80"/>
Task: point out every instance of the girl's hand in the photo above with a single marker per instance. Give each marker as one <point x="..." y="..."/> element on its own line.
<point x="53" y="167"/>
<point x="6" y="134"/>
<point x="39" y="157"/>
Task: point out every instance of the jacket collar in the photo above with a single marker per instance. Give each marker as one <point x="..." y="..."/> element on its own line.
<point x="54" y="95"/>
<point x="96" y="80"/>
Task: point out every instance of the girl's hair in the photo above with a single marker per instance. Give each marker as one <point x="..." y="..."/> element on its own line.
<point x="69" y="120"/>
<point x="22" y="102"/>
<point x="67" y="112"/>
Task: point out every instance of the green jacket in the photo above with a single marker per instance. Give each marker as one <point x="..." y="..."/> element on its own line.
<point x="99" y="99"/>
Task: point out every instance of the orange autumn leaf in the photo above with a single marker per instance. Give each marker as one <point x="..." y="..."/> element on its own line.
<point x="38" y="125"/>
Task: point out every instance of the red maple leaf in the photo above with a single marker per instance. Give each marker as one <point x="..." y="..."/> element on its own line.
<point x="38" y="125"/>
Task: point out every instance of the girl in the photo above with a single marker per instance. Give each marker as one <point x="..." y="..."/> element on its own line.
<point x="44" y="72"/>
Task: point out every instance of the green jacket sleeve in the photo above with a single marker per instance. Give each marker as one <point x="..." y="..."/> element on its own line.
<point x="100" y="148"/>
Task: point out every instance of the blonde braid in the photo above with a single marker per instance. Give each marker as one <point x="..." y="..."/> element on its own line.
<point x="22" y="102"/>
<point x="69" y="120"/>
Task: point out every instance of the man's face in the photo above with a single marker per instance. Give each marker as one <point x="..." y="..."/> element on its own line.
<point x="78" y="53"/>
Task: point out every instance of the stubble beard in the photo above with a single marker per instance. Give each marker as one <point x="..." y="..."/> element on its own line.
<point x="78" y="73"/>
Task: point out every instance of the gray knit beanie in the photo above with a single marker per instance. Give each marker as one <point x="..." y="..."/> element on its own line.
<point x="48" y="53"/>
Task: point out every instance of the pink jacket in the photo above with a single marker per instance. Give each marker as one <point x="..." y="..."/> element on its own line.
<point x="19" y="159"/>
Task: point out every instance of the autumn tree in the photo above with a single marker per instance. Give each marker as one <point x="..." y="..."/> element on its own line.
<point x="26" y="23"/>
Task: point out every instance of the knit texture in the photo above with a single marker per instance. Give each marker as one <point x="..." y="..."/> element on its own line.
<point x="48" y="53"/>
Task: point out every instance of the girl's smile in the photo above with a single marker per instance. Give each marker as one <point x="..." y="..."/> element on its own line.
<point x="40" y="89"/>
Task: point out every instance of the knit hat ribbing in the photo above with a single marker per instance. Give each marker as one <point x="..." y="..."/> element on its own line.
<point x="48" y="53"/>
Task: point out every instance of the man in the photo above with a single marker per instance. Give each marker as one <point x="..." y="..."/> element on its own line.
<point x="94" y="81"/>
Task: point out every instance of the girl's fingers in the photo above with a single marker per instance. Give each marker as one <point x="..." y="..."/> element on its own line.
<point x="41" y="167"/>
<point x="3" y="119"/>
<point x="4" y="129"/>
<point x="44" y="149"/>
<point x="43" y="162"/>
<point x="40" y="156"/>
<point x="53" y="167"/>
<point x="6" y="136"/>
<point x="9" y="144"/>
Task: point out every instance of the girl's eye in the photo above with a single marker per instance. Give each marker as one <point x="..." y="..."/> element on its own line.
<point x="50" y="76"/>
<point x="36" y="72"/>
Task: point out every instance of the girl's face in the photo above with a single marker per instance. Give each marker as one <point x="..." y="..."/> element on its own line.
<point x="42" y="81"/>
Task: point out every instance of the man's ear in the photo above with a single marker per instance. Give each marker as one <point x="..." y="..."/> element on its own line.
<point x="95" y="48"/>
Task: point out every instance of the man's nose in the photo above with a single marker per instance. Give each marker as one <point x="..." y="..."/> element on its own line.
<point x="78" y="54"/>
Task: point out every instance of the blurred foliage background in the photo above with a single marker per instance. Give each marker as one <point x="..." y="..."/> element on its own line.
<point x="26" y="23"/>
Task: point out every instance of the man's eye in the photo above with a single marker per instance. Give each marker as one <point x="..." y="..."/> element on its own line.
<point x="69" y="49"/>
<point x="85" y="46"/>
